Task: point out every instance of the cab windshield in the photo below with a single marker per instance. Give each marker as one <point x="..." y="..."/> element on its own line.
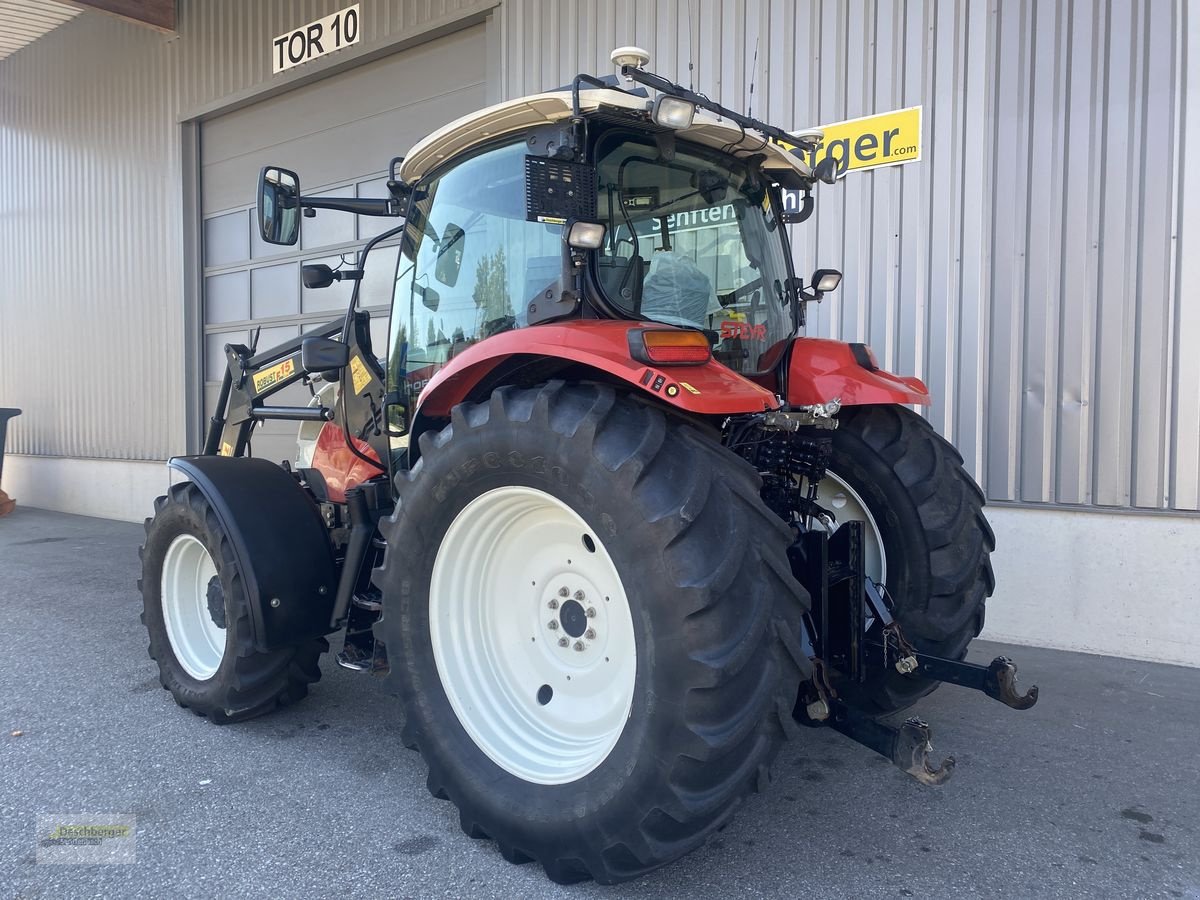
<point x="695" y="243"/>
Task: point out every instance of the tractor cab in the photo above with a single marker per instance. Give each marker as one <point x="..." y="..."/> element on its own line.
<point x="594" y="202"/>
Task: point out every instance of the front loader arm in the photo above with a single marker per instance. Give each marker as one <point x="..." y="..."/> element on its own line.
<point x="251" y="379"/>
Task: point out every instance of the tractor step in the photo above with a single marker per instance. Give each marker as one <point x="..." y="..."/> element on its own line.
<point x="372" y="602"/>
<point x="363" y="653"/>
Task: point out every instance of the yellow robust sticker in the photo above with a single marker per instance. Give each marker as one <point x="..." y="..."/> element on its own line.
<point x="886" y="139"/>
<point x="688" y="387"/>
<point x="226" y="449"/>
<point x="358" y="372"/>
<point x="274" y="375"/>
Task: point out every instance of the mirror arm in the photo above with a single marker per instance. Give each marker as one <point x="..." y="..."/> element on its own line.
<point x="361" y="206"/>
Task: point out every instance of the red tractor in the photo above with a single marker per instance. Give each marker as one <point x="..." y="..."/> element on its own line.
<point x="610" y="525"/>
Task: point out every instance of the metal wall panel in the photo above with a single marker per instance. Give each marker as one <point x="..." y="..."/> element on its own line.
<point x="224" y="45"/>
<point x="1034" y="267"/>
<point x="1037" y="267"/>
<point x="92" y="341"/>
<point x="91" y="322"/>
<point x="338" y="134"/>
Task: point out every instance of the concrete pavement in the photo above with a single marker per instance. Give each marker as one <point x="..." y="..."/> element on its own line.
<point x="1095" y="792"/>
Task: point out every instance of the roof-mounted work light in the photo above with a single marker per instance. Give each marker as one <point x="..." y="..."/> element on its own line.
<point x="672" y="112"/>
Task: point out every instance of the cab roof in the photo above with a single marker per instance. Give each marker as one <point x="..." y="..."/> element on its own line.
<point x="518" y="115"/>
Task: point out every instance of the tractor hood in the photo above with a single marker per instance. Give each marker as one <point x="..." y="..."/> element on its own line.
<point x="512" y="116"/>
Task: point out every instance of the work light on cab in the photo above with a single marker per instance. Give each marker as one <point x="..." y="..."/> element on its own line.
<point x="585" y="235"/>
<point x="673" y="112"/>
<point x="826" y="280"/>
<point x="670" y="347"/>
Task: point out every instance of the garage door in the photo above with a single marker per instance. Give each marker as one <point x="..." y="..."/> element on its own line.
<point x="338" y="135"/>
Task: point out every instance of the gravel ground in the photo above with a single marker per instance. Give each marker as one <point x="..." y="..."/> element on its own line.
<point x="1094" y="792"/>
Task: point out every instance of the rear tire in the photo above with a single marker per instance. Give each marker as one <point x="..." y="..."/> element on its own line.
<point x="195" y="610"/>
<point x="928" y="513"/>
<point x="707" y="592"/>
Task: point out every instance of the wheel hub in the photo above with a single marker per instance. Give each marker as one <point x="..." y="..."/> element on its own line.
<point x="573" y="618"/>
<point x="216" y="602"/>
<point x="193" y="607"/>
<point x="532" y="635"/>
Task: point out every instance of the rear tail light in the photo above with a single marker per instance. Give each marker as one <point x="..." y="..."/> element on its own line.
<point x="669" y="347"/>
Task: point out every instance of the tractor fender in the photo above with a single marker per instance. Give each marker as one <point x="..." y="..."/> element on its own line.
<point x="281" y="544"/>
<point x="699" y="390"/>
<point x="820" y="370"/>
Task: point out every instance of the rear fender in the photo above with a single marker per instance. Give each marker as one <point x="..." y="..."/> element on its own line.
<point x="698" y="390"/>
<point x="281" y="545"/>
<point x="820" y="370"/>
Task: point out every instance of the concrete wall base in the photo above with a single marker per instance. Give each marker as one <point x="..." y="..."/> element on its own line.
<point x="107" y="488"/>
<point x="1113" y="584"/>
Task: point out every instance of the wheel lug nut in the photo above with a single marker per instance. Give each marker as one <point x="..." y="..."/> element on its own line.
<point x="579" y="645"/>
<point x="552" y="624"/>
<point x="564" y="592"/>
<point x="590" y="634"/>
<point x="553" y="604"/>
<point x="563" y="642"/>
<point x="591" y="612"/>
<point x="579" y="596"/>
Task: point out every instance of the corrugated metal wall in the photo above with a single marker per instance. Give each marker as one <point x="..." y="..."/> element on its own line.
<point x="1032" y="266"/>
<point x="91" y="214"/>
<point x="91" y="317"/>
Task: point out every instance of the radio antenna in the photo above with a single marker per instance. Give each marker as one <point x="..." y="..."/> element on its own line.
<point x="691" y="53"/>
<point x="753" y="76"/>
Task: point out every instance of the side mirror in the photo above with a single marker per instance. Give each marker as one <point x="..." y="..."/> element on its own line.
<point x="826" y="170"/>
<point x="279" y="205"/>
<point x="316" y="275"/>
<point x="318" y="354"/>
<point x="450" y="255"/>
<point x="429" y="296"/>
<point x="319" y="275"/>
<point x="712" y="186"/>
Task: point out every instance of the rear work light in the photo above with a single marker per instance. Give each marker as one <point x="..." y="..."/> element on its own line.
<point x="669" y="347"/>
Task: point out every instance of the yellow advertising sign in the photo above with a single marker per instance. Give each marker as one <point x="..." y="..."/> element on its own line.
<point x="886" y="139"/>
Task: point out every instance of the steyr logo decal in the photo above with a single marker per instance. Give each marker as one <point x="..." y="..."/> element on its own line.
<point x="743" y="330"/>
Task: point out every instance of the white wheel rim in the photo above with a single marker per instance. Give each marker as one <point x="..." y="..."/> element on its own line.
<point x="835" y="495"/>
<point x="198" y="641"/>
<point x="514" y="575"/>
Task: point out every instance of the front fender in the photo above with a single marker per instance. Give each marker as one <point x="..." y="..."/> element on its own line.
<point x="821" y="370"/>
<point x="279" y="540"/>
<point x="708" y="389"/>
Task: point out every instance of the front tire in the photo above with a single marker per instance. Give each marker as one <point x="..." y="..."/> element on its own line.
<point x="196" y="612"/>
<point x="619" y="757"/>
